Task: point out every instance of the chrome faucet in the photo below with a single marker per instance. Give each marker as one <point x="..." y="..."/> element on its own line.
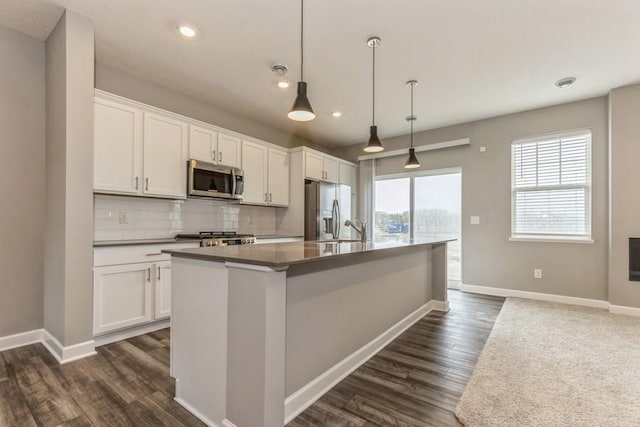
<point x="362" y="230"/>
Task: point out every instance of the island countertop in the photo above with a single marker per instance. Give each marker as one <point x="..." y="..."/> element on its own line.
<point x="283" y="254"/>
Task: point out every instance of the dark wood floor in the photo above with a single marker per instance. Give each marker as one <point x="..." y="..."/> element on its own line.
<point x="418" y="378"/>
<point x="415" y="381"/>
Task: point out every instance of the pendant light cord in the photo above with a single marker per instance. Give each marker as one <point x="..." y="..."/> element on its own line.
<point x="373" y="83"/>
<point x="301" y="40"/>
<point x="412" y="116"/>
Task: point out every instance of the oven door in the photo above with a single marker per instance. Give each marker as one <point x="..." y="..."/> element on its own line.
<point x="208" y="180"/>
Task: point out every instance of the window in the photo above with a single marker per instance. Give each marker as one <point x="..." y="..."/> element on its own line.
<point x="421" y="206"/>
<point x="551" y="187"/>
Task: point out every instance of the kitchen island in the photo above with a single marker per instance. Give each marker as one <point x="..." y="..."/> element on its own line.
<point x="259" y="332"/>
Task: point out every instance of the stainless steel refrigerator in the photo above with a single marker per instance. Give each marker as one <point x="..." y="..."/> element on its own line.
<point x="326" y="208"/>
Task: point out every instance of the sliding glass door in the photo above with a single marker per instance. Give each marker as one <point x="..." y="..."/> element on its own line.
<point x="421" y="206"/>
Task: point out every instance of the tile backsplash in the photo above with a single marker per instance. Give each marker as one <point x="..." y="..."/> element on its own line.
<point x="131" y="218"/>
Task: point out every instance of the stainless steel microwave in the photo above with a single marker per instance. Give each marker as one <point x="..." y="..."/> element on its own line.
<point x="209" y="180"/>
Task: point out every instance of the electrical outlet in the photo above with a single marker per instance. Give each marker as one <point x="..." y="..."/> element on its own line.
<point x="475" y="220"/>
<point x="537" y="273"/>
<point x="123" y="218"/>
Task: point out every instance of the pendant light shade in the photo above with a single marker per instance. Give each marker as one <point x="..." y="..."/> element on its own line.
<point x="412" y="161"/>
<point x="301" y="110"/>
<point x="374" y="145"/>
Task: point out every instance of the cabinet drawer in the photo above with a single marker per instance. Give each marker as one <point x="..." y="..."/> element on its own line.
<point x="129" y="254"/>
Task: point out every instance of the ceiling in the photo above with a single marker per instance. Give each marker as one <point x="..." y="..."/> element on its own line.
<point x="473" y="59"/>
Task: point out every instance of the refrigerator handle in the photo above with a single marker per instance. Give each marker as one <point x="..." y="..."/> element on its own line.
<point x="336" y="219"/>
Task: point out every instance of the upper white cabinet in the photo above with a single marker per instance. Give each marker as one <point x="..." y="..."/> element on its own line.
<point x="266" y="174"/>
<point x="203" y="144"/>
<point x="165" y="160"/>
<point x="347" y="175"/>
<point x="254" y="163"/>
<point x="138" y="152"/>
<point x="278" y="177"/>
<point x="229" y="149"/>
<point x="118" y="147"/>
<point x="320" y="167"/>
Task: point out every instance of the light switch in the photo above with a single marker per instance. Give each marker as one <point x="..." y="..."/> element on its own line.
<point x="475" y="220"/>
<point x="483" y="149"/>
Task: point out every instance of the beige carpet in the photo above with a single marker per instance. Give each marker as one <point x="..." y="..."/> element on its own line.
<point x="551" y="364"/>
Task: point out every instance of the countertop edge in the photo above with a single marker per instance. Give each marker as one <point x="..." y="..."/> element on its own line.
<point x="180" y="253"/>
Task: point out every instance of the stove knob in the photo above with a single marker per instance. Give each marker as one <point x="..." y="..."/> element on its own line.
<point x="209" y="243"/>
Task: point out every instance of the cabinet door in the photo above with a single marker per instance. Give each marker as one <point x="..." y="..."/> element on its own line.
<point x="330" y="170"/>
<point x="254" y="162"/>
<point x="165" y="160"/>
<point x="278" y="181"/>
<point x="203" y="144"/>
<point x="313" y="166"/>
<point x="348" y="175"/>
<point x="117" y="148"/>
<point x="163" y="290"/>
<point x="229" y="148"/>
<point x="121" y="296"/>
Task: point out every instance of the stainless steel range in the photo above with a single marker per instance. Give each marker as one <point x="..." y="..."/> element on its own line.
<point x="219" y="238"/>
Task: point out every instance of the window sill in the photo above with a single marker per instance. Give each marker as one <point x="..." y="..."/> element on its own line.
<point x="582" y="241"/>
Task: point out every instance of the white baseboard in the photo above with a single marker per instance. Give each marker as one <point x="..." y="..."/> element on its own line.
<point x="110" y="337"/>
<point x="227" y="423"/>
<point x="502" y="292"/>
<point x="309" y="393"/>
<point x="21" y="339"/>
<point x="627" y="311"/>
<point x="440" y="305"/>
<point x="62" y="354"/>
<point x="453" y="284"/>
<point x="69" y="353"/>
<point x="199" y="416"/>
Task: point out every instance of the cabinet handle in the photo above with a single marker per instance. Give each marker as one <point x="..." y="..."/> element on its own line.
<point x="136" y="182"/>
<point x="158" y="275"/>
<point x="146" y="184"/>
<point x="213" y="155"/>
<point x="149" y="274"/>
<point x="220" y="156"/>
<point x="265" y="197"/>
<point x="270" y="198"/>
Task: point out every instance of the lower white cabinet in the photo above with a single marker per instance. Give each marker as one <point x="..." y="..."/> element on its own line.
<point x="131" y="285"/>
<point x="121" y="296"/>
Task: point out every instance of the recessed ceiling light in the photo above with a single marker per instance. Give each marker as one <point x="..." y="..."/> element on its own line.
<point x="187" y="31"/>
<point x="283" y="84"/>
<point x="566" y="82"/>
<point x="336" y="114"/>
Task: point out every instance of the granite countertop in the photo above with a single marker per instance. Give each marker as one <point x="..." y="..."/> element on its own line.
<point x="284" y="254"/>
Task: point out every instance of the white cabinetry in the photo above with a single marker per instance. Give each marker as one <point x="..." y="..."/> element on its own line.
<point x="118" y="147"/>
<point x="347" y="175"/>
<point x="165" y="143"/>
<point x="320" y="167"/>
<point x="266" y="174"/>
<point x="131" y="286"/>
<point x="207" y="145"/>
<point x="138" y="151"/>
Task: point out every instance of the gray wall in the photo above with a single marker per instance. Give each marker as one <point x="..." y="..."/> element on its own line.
<point x="624" y="104"/>
<point x="116" y="81"/>
<point x="22" y="160"/>
<point x="69" y="181"/>
<point x="488" y="257"/>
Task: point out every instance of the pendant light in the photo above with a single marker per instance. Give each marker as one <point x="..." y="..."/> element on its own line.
<point x="412" y="161"/>
<point x="301" y="110"/>
<point x="374" y="145"/>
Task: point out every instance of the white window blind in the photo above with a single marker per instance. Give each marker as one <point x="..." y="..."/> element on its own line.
<point x="551" y="186"/>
